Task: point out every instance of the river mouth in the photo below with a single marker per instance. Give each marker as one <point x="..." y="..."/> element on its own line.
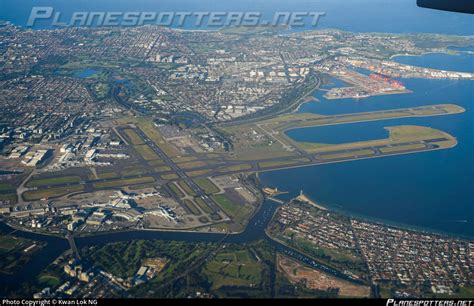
<point x="255" y="230"/>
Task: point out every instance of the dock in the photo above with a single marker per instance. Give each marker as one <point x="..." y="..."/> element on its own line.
<point x="276" y="200"/>
<point x="303" y="198"/>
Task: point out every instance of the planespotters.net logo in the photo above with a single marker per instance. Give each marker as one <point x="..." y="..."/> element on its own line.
<point x="176" y="19"/>
<point x="49" y="302"/>
<point x="415" y="302"/>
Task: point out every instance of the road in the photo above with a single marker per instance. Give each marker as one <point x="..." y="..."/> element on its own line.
<point x="72" y="245"/>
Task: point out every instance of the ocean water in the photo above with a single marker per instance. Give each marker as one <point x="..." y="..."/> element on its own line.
<point x="396" y="16"/>
<point x="431" y="190"/>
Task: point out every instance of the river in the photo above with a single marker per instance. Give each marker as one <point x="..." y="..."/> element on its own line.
<point x="55" y="245"/>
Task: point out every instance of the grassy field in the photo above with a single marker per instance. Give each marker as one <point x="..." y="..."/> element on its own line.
<point x="162" y="169"/>
<point x="134" y="138"/>
<point x="6" y="187"/>
<point x="352" y="154"/>
<point x="282" y="163"/>
<point x="100" y="90"/>
<point x="192" y="208"/>
<point x="339" y="256"/>
<point x="411" y="147"/>
<point x="34" y="195"/>
<point x="134" y="170"/>
<point x="124" y="182"/>
<point x="197" y="173"/>
<point x="412" y="132"/>
<point x="466" y="292"/>
<point x="146" y="125"/>
<point x="183" y="159"/>
<point x="237" y="269"/>
<point x="38" y="182"/>
<point x="170" y="176"/>
<point x="176" y="190"/>
<point x="204" y="207"/>
<point x="13" y="255"/>
<point x="8" y="243"/>
<point x="49" y="280"/>
<point x="191" y="165"/>
<point x="12" y="198"/>
<point x="229" y="207"/>
<point x="8" y="193"/>
<point x="238" y="212"/>
<point x="146" y="152"/>
<point x="156" y="162"/>
<point x="241" y="167"/>
<point x="153" y="133"/>
<point x="206" y="185"/>
<point x="184" y="186"/>
<point x="264" y="152"/>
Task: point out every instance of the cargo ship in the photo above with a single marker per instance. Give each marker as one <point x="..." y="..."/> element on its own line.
<point x="387" y="79"/>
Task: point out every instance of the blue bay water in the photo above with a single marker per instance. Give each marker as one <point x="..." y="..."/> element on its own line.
<point x="431" y="190"/>
<point x="464" y="63"/>
<point x="337" y="134"/>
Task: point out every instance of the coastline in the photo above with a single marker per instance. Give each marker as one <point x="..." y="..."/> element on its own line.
<point x="386" y="223"/>
<point x="326" y="206"/>
<point x="446" y="52"/>
<point x="189" y="231"/>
